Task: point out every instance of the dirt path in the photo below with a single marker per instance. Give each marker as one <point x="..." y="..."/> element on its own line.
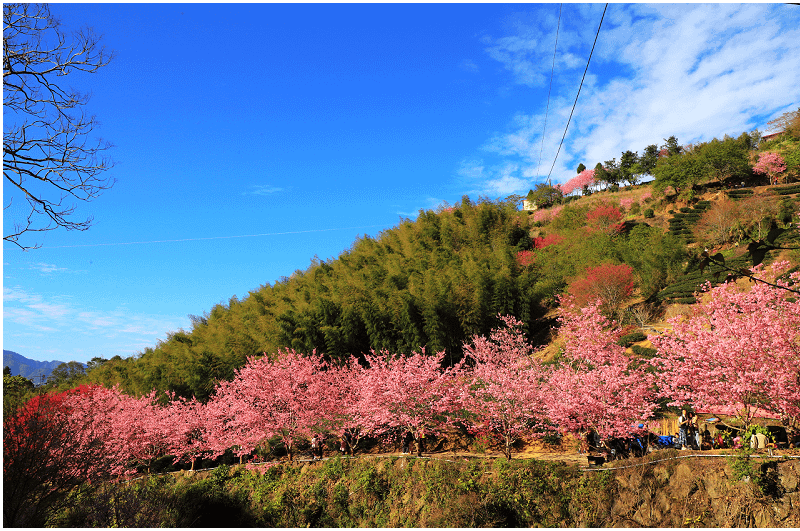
<point x="566" y="452"/>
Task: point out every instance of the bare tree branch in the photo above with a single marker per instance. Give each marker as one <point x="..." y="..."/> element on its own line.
<point x="48" y="156"/>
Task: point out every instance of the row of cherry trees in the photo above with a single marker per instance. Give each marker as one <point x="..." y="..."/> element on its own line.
<point x="736" y="349"/>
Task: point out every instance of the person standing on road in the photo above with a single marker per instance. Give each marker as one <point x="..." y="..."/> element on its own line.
<point x="420" y="443"/>
<point x="407" y="438"/>
<point x="683" y="426"/>
<point x="695" y="431"/>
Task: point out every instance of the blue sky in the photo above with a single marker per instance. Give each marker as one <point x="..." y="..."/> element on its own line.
<point x="250" y="138"/>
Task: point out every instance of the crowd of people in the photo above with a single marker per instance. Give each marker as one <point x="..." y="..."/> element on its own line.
<point x="641" y="441"/>
<point x="637" y="445"/>
<point x="317" y="446"/>
<point x="689" y="436"/>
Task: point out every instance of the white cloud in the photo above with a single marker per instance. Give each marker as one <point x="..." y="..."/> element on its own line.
<point x="27" y="316"/>
<point x="47" y="268"/>
<point x="469" y="65"/>
<point x="494" y="181"/>
<point x="431" y="203"/>
<point x="506" y="181"/>
<point x="263" y="189"/>
<point x="693" y="71"/>
<point x="517" y="54"/>
<point x="471" y="169"/>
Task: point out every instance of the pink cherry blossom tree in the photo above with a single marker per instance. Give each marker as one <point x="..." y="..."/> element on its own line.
<point x="737" y="348"/>
<point x="526" y="258"/>
<point x="610" y="283"/>
<point x="770" y="164"/>
<point x="605" y="217"/>
<point x="408" y="393"/>
<point x="287" y="397"/>
<point x="584" y="179"/>
<point x="135" y="426"/>
<point x="544" y="215"/>
<point x="346" y="413"/>
<point x="542" y="242"/>
<point x="183" y="422"/>
<point x="502" y="391"/>
<point x="595" y="385"/>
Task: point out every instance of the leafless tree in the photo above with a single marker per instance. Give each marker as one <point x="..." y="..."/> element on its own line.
<point x="642" y="314"/>
<point x="787" y="122"/>
<point x="48" y="156"/>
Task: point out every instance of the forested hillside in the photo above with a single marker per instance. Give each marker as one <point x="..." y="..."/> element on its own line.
<point x="435" y="282"/>
<point x="429" y="283"/>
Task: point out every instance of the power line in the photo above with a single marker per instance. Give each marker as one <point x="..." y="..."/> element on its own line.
<point x="579" y="92"/>
<point x="208" y="238"/>
<point x="547" y="110"/>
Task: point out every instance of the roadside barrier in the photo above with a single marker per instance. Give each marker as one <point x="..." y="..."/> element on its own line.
<point x="765" y="456"/>
<point x="465" y="458"/>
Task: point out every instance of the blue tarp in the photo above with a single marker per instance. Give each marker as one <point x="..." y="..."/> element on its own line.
<point x="666" y="440"/>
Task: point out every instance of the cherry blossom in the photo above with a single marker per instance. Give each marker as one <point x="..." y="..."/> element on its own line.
<point x="287" y="397"/>
<point x="771" y="164"/>
<point x="408" y="393"/>
<point x="595" y="385"/>
<point x="736" y="348"/>
<point x="502" y="392"/>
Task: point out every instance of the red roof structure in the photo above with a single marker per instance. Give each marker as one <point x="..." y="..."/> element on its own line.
<point x="770" y="136"/>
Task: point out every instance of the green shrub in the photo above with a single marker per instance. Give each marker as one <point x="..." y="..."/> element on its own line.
<point x="687" y="195"/>
<point x="643" y="352"/>
<point x="739" y="194"/>
<point x="628" y="339"/>
<point x="743" y="467"/>
<point x="786" y="209"/>
<point x="648" y="213"/>
<point x="785" y="190"/>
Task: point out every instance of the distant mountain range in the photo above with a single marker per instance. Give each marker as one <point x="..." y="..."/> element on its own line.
<point x="20" y="365"/>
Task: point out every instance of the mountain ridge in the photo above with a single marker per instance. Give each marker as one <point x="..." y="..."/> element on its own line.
<point x="28" y="368"/>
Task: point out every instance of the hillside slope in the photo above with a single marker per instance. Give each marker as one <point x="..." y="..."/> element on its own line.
<point x="436" y="282"/>
<point x="656" y="491"/>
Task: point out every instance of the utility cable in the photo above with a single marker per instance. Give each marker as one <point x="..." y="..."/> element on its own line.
<point x="208" y="238"/>
<point x="579" y="92"/>
<point x="547" y="110"/>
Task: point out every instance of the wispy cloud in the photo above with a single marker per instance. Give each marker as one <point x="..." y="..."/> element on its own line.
<point x="29" y="315"/>
<point x="492" y="181"/>
<point x="430" y="203"/>
<point x="263" y="189"/>
<point x="693" y="71"/>
<point x="47" y="268"/>
<point x="468" y="65"/>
